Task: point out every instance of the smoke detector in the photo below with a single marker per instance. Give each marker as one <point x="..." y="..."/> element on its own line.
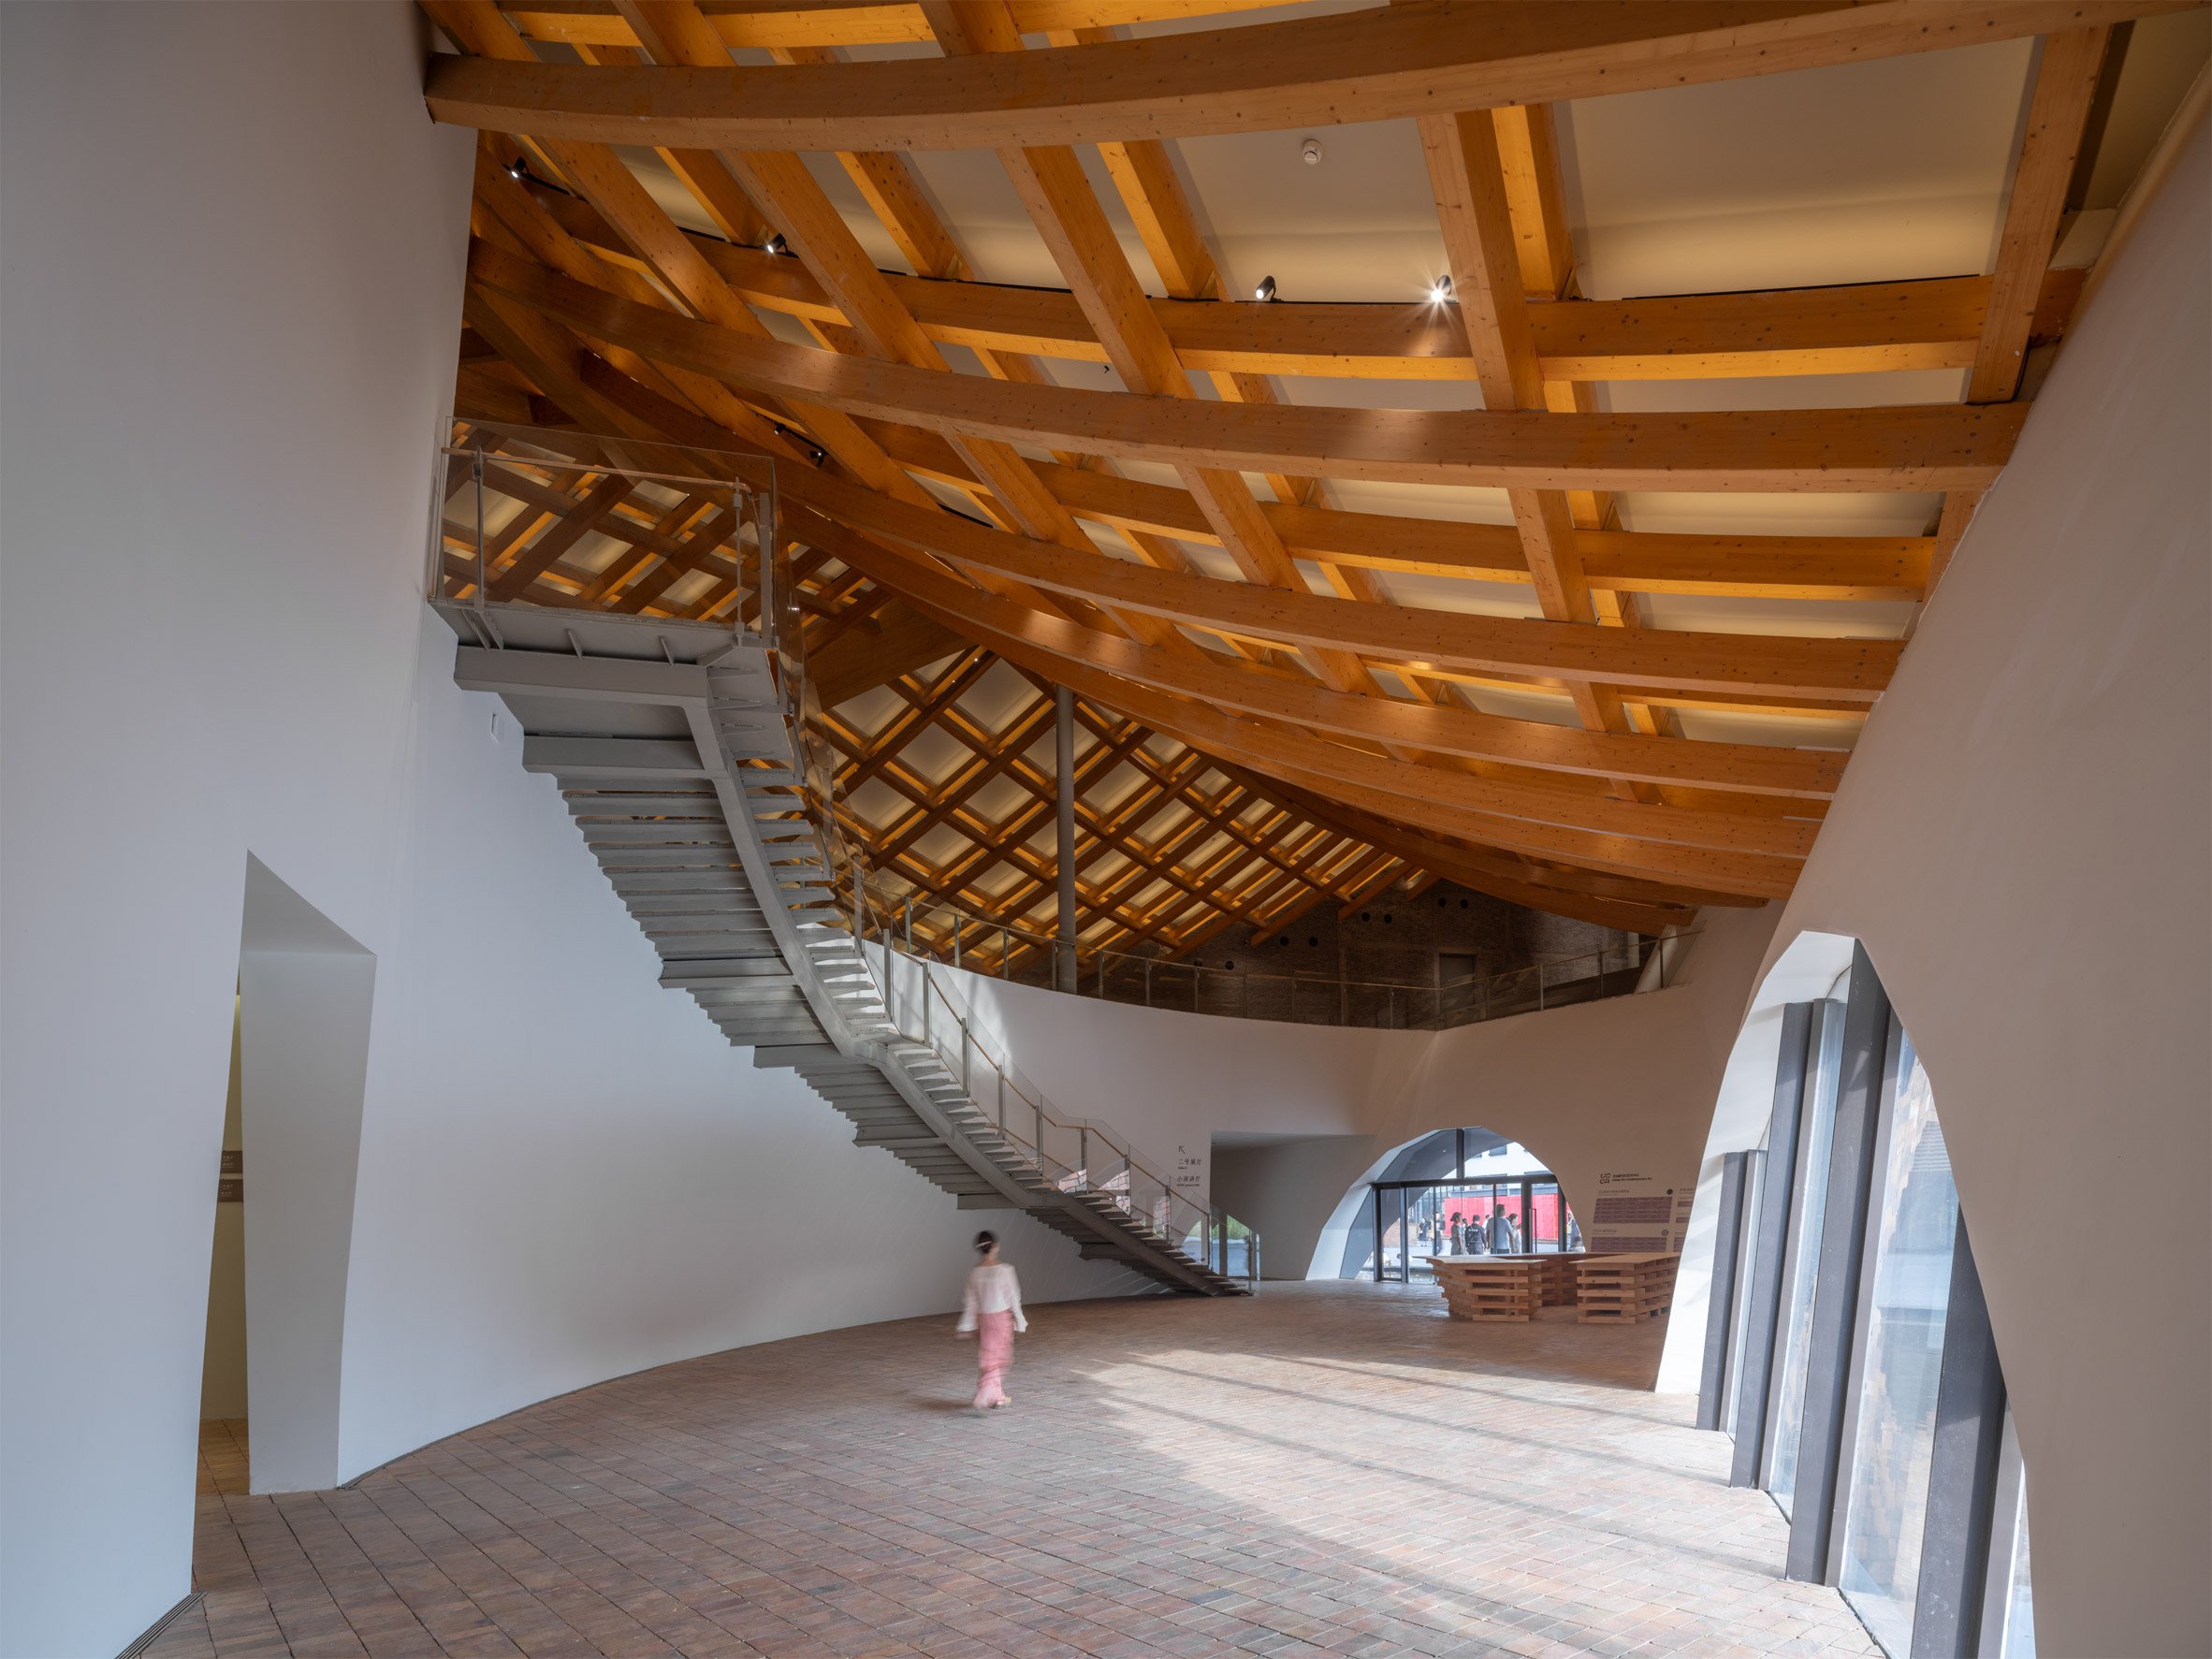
<point x="1311" y="150"/>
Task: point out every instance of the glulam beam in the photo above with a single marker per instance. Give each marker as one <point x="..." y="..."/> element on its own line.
<point x="1407" y="61"/>
<point x="1768" y="451"/>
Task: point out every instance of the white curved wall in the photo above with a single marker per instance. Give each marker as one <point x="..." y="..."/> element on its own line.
<point x="233" y="247"/>
<point x="2021" y="845"/>
<point x="1627" y="1083"/>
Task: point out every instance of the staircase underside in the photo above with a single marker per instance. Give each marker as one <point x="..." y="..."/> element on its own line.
<point x="674" y="759"/>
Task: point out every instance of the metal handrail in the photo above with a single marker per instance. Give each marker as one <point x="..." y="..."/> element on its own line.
<point x="460" y="575"/>
<point x="1090" y="1158"/>
<point x="1073" y="1154"/>
<point x="1482" y="995"/>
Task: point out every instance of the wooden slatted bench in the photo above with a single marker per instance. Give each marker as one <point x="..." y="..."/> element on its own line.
<point x="1624" y="1289"/>
<point x="1490" y="1286"/>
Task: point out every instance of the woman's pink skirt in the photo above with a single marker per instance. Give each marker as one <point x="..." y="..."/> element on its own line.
<point x="993" y="1354"/>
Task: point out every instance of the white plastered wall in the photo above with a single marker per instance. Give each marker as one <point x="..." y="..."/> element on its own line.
<point x="233" y="250"/>
<point x="2023" y="845"/>
<point x="1623" y="1083"/>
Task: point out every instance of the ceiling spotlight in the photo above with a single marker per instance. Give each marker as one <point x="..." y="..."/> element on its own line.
<point x="1440" y="290"/>
<point x="775" y="244"/>
<point x="1310" y="149"/>
<point x="1266" y="289"/>
<point x="820" y="456"/>
<point x="519" y="168"/>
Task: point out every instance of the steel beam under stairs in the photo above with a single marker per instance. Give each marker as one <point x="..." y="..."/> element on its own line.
<point x="674" y="755"/>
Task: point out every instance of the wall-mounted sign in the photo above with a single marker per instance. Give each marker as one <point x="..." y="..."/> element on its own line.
<point x="1634" y="1213"/>
<point x="230" y="1189"/>
<point x="1189" y="1175"/>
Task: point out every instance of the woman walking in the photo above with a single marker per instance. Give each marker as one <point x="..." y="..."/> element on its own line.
<point x="992" y="1308"/>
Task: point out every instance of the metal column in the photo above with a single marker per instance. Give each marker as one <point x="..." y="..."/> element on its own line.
<point x="1962" y="1473"/>
<point x="1727" y="1248"/>
<point x="1063" y="763"/>
<point x="1862" y="1097"/>
<point x="1794" y="1076"/>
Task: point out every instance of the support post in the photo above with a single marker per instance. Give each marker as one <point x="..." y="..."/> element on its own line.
<point x="1862" y="1095"/>
<point x="476" y="471"/>
<point x="1794" y="1076"/>
<point x="1064" y="865"/>
<point x="1728" y="1243"/>
<point x="1962" y="1471"/>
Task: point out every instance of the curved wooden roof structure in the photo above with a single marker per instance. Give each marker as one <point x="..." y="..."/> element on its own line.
<point x="1490" y="581"/>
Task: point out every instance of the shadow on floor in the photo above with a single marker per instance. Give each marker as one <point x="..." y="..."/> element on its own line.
<point x="1323" y="1469"/>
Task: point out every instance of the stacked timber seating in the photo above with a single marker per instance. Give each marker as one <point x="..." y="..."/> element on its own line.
<point x="1624" y="1289"/>
<point x="1561" y="1278"/>
<point x="1490" y="1286"/>
<point x="672" y="747"/>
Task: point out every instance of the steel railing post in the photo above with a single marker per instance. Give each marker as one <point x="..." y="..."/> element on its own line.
<point x="477" y="471"/>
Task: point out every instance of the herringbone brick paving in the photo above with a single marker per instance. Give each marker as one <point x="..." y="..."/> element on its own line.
<point x="1326" y="1469"/>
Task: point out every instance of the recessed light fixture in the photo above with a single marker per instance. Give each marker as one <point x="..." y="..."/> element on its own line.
<point x="1266" y="289"/>
<point x="1440" y="290"/>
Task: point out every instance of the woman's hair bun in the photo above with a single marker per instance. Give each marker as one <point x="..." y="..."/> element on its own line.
<point x="983" y="1241"/>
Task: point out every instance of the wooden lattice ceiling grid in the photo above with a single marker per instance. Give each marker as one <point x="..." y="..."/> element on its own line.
<point x="996" y="488"/>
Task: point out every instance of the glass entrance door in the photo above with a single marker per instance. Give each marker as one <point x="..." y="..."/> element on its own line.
<point x="1415" y="1220"/>
<point x="1390" y="1234"/>
<point x="1546" y="1209"/>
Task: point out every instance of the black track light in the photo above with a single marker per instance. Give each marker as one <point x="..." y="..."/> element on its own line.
<point x="776" y="246"/>
<point x="518" y="169"/>
<point x="1440" y="290"/>
<point x="1266" y="291"/>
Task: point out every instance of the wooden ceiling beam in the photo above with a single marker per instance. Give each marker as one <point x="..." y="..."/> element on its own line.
<point x="2058" y="113"/>
<point x="799" y="24"/>
<point x="1847" y="450"/>
<point x="1472" y="868"/>
<point x="1052" y="188"/>
<point x="1749" y="767"/>
<point x="1867" y="327"/>
<point x="1466" y="804"/>
<point x="1839" y="669"/>
<point x="1612" y="560"/>
<point x="1311" y="71"/>
<point x="1469" y="181"/>
<point x="894" y="643"/>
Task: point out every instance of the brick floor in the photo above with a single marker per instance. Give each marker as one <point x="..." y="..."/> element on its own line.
<point x="1326" y="1469"/>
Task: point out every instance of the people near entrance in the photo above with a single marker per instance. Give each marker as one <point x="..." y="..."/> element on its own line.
<point x="1505" y="1238"/>
<point x="993" y="1309"/>
<point x="1574" y="1238"/>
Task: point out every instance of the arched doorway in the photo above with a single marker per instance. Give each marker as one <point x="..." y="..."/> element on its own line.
<point x="1456" y="1192"/>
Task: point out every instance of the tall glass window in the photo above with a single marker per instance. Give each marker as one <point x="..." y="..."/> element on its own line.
<point x="1801" y="1263"/>
<point x="1915" y="1225"/>
<point x="2019" y="1641"/>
